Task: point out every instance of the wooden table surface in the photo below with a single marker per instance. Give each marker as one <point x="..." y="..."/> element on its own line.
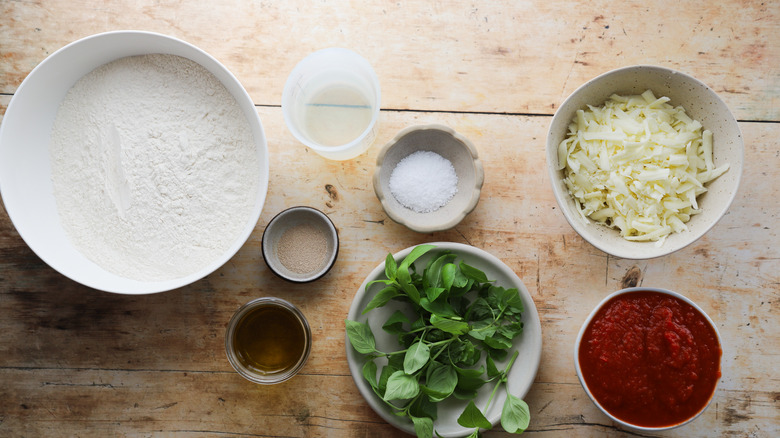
<point x="79" y="362"/>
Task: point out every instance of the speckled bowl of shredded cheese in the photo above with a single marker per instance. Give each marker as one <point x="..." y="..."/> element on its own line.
<point x="644" y="160"/>
<point x="133" y="162"/>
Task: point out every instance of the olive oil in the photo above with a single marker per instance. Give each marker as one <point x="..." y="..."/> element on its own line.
<point x="269" y="339"/>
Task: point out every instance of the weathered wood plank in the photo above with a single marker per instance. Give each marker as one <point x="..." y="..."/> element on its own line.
<point x="78" y="362"/>
<point x="163" y="345"/>
<point x="143" y="403"/>
<point x="512" y="57"/>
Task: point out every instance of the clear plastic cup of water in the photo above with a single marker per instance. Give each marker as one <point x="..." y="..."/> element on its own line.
<point x="331" y="102"/>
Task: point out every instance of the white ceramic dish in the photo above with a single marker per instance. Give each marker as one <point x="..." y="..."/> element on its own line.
<point x="25" y="168"/>
<point x="529" y="343"/>
<point x="702" y="104"/>
<point x="626" y="425"/>
<point x="444" y="141"/>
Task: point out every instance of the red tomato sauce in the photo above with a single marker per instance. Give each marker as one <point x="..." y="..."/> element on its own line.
<point x="650" y="359"/>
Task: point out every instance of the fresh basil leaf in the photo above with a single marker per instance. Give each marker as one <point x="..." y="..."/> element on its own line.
<point x="495" y="297"/>
<point x="463" y="353"/>
<point x="402" y="276"/>
<point x="515" y="415"/>
<point x="492" y="370"/>
<point x="469" y="379"/>
<point x="369" y="373"/>
<point x="381" y="298"/>
<point x="396" y="361"/>
<point x="415" y="254"/>
<point x="497" y="355"/>
<point x="450" y="325"/>
<point x="361" y="337"/>
<point x="390" y="267"/>
<point x="423" y="407"/>
<point x="460" y="279"/>
<point x="473" y="417"/>
<point x="448" y="273"/>
<point x="440" y="307"/>
<point x="433" y="293"/>
<point x="482" y="329"/>
<point x="412" y="292"/>
<point x="418" y="324"/>
<point x="460" y="304"/>
<point x="511" y="330"/>
<point x="436" y="335"/>
<point x="473" y="273"/>
<point x="513" y="300"/>
<point x="406" y="340"/>
<point x="416" y="357"/>
<point x="433" y="258"/>
<point x="384" y="376"/>
<point x="440" y="381"/>
<point x="382" y="281"/>
<point x="432" y="277"/>
<point x="465" y="394"/>
<point x="498" y="342"/>
<point x="395" y="324"/>
<point x="459" y="291"/>
<point x="423" y="426"/>
<point x="480" y="310"/>
<point x="401" y="386"/>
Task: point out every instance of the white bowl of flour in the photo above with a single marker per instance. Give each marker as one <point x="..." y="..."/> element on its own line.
<point x="133" y="162"/>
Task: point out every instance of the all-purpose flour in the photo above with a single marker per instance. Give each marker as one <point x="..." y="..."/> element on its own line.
<point x="154" y="167"/>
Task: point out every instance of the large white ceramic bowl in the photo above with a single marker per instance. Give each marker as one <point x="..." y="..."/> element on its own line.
<point x="702" y="104"/>
<point x="25" y="168"/>
<point x="528" y="343"/>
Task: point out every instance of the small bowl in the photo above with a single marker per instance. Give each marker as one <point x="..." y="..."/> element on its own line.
<point x="25" y="162"/>
<point x="700" y="103"/>
<point x="239" y="360"/>
<point x="300" y="244"/>
<point x="450" y="145"/>
<point x="582" y="378"/>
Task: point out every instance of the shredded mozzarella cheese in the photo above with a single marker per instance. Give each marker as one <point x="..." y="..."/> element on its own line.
<point x="637" y="164"/>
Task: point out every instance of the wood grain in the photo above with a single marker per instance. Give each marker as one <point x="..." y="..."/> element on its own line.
<point x="78" y="362"/>
<point x="512" y="57"/>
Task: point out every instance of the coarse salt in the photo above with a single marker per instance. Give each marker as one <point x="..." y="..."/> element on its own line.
<point x="424" y="181"/>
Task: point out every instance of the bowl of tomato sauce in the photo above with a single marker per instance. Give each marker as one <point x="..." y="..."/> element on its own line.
<point x="649" y="358"/>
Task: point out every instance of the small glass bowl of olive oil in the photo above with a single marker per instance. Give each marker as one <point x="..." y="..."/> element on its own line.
<point x="268" y="340"/>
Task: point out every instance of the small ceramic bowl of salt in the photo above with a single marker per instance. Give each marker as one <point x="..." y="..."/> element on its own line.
<point x="300" y="244"/>
<point x="428" y="178"/>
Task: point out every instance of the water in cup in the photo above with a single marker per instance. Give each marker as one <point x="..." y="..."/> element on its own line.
<point x="336" y="115"/>
<point x="331" y="103"/>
